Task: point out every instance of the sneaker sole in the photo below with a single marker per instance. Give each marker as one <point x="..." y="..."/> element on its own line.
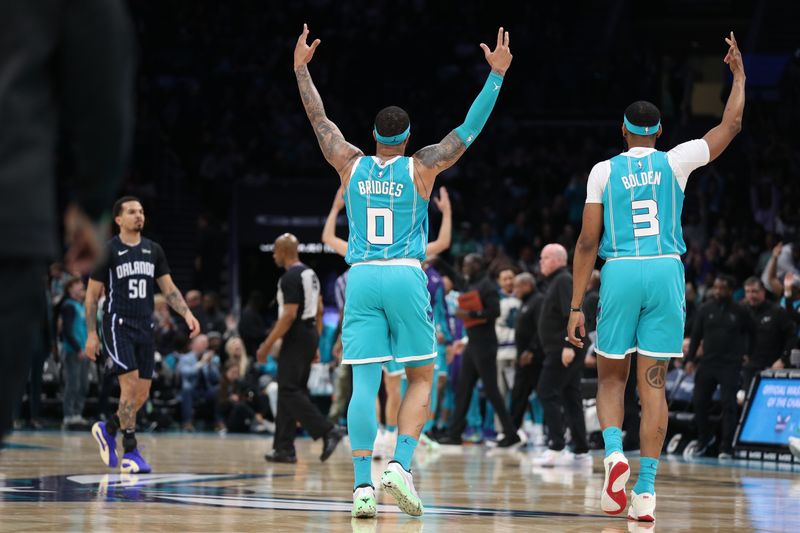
<point x="105" y="449"/>
<point x="130" y="467"/>
<point x="365" y="509"/>
<point x="614" y="499"/>
<point x="396" y="487"/>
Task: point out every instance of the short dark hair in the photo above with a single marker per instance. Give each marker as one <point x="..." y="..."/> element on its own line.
<point x="69" y="284"/>
<point x="643" y="113"/>
<point x="752" y="280"/>
<point x="391" y="121"/>
<point x="117" y="210"/>
<point x="727" y="280"/>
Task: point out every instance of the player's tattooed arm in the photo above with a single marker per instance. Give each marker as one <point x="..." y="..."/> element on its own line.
<point x="436" y="158"/>
<point x="177" y="303"/>
<point x="337" y="151"/>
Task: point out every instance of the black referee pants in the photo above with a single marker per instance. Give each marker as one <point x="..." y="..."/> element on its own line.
<point x="23" y="313"/>
<point x="294" y="402"/>
<point x="479" y="362"/>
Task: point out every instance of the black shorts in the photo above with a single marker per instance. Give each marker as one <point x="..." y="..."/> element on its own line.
<point x="129" y="344"/>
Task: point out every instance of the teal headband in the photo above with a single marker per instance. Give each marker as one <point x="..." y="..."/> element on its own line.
<point x="394" y="139"/>
<point x="641" y="130"/>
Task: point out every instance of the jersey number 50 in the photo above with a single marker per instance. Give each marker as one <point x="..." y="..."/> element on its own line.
<point x="373" y="214"/>
<point x="649" y="218"/>
<point x="137" y="288"/>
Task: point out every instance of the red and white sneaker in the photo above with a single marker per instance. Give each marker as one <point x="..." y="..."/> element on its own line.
<point x="643" y="507"/>
<point x="613" y="499"/>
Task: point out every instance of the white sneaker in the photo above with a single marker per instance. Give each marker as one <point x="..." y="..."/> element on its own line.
<point x="568" y="458"/>
<point x="364" y="503"/>
<point x="794" y="446"/>
<point x="400" y="485"/>
<point x="428" y="443"/>
<point x="549" y="458"/>
<point x="613" y="499"/>
<point x="643" y="507"/>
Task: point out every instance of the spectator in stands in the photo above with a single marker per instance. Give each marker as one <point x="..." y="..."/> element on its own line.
<point x="233" y="407"/>
<point x="252" y="327"/>
<point x="199" y="372"/>
<point x="776" y="333"/>
<point x="194" y="300"/>
<point x="165" y="329"/>
<point x="76" y="365"/>
<point x="785" y="259"/>
<point x="504" y="327"/>
<point x="215" y="319"/>
<point x="728" y="333"/>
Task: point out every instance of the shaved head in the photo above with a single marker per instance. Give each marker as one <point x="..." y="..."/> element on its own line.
<point x="285" y="251"/>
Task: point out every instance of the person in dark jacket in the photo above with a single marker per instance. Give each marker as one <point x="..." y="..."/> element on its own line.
<point x="67" y="69"/>
<point x="530" y="354"/>
<point x="76" y="364"/>
<point x="775" y="331"/>
<point x="480" y="356"/>
<point x="727" y="331"/>
<point x="560" y="382"/>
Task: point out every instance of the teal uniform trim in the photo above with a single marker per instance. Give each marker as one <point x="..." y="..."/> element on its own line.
<point x="480" y="110"/>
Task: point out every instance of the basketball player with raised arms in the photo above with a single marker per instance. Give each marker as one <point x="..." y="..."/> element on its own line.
<point x="633" y="214"/>
<point x="388" y="313"/>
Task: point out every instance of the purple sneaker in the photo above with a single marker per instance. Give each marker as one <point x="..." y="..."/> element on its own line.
<point x="134" y="463"/>
<point x="472" y="435"/>
<point x="107" y="443"/>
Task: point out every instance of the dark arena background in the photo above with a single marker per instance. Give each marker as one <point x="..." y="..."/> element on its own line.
<point x="223" y="160"/>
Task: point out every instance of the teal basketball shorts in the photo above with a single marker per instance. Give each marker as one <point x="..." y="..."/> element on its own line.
<point x="642" y="307"/>
<point x="388" y="315"/>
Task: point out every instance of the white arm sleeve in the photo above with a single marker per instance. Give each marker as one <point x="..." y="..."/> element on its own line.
<point x="687" y="157"/>
<point x="598" y="179"/>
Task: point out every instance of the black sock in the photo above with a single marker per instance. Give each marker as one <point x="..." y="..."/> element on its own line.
<point x="129" y="440"/>
<point x="112" y="425"/>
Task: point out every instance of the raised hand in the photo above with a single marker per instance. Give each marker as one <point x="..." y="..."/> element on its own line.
<point x="734" y="57"/>
<point x="302" y="52"/>
<point x="443" y="201"/>
<point x="499" y="58"/>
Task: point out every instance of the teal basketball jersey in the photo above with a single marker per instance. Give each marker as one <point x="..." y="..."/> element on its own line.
<point x="642" y="204"/>
<point x="387" y="217"/>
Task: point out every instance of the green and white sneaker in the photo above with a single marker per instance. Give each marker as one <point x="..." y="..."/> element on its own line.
<point x="399" y="483"/>
<point x="364" y="503"/>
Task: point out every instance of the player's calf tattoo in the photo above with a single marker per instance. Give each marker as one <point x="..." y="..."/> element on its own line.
<point x="656" y="375"/>
<point x="127" y="414"/>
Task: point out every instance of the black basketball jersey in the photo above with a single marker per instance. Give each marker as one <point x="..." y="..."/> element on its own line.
<point x="129" y="274"/>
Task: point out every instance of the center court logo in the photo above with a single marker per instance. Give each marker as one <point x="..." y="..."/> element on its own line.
<point x="239" y="491"/>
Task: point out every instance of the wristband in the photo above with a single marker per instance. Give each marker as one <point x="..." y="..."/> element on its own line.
<point x="575" y="310"/>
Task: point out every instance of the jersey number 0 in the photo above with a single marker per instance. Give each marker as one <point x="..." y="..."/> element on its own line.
<point x="373" y="214"/>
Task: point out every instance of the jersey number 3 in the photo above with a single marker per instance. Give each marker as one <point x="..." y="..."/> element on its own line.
<point x="650" y="217"/>
<point x="387" y="217"/>
<point x="137" y="288"/>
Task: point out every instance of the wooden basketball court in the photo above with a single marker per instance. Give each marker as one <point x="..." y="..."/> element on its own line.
<point x="56" y="482"/>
